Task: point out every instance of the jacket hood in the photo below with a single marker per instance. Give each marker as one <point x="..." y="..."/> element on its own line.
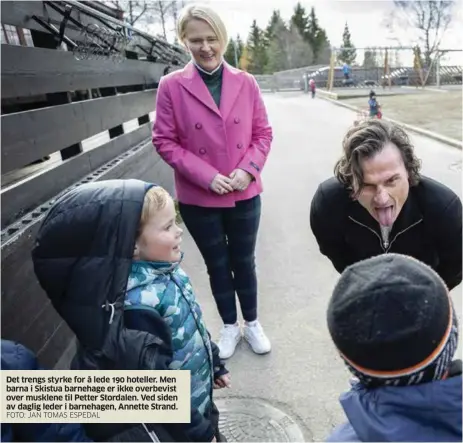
<point x="427" y="412"/>
<point x="83" y="255"/>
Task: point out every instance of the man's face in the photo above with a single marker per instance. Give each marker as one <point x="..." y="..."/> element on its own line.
<point x="385" y="185"/>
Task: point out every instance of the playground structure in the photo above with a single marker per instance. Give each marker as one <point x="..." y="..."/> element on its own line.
<point x="78" y="95"/>
<point x="386" y="68"/>
<point x="390" y="66"/>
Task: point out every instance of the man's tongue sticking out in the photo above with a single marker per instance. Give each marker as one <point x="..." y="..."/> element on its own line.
<point x="385" y="215"/>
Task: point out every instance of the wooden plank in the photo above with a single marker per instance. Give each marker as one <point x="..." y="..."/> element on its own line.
<point x="28" y="136"/>
<point x="30" y="71"/>
<point x="23" y="196"/>
<point x="26" y="314"/>
<point x="10" y="178"/>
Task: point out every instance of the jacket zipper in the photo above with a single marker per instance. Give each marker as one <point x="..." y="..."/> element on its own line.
<point x="211" y="363"/>
<point x="406" y="229"/>
<point x="151" y="434"/>
<point x="386" y="245"/>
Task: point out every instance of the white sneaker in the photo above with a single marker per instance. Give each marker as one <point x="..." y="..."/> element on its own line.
<point x="229" y="338"/>
<point x="255" y="336"/>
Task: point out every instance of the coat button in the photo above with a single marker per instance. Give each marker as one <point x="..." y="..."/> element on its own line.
<point x="237" y="120"/>
<point x="202" y="151"/>
<point x="239" y="145"/>
<point x="198" y="126"/>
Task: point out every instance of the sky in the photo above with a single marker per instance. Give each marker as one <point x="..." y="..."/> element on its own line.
<point x="365" y="19"/>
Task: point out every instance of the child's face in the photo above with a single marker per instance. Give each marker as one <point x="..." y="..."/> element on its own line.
<point x="161" y="237"/>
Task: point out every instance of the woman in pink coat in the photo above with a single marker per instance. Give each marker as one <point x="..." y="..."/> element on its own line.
<point x="211" y="126"/>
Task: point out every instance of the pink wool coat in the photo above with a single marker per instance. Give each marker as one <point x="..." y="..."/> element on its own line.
<point x="198" y="140"/>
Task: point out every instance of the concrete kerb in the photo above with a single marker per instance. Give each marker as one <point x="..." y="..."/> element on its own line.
<point x="327" y="94"/>
<point x="440" y="138"/>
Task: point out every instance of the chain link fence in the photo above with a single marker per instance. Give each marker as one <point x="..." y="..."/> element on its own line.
<point x="361" y="78"/>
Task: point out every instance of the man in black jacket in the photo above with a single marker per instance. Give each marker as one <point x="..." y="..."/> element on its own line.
<point x="378" y="202"/>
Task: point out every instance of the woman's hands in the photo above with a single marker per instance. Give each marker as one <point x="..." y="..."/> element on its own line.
<point x="221" y="184"/>
<point x="239" y="180"/>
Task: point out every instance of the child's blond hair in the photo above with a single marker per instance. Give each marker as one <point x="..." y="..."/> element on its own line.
<point x="155" y="199"/>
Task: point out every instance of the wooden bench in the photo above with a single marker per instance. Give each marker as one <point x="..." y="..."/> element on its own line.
<point x="91" y="120"/>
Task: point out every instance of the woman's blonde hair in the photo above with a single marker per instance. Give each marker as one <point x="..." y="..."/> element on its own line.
<point x="156" y="199"/>
<point x="203" y="12"/>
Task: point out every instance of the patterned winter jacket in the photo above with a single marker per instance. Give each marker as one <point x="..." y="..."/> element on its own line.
<point x="166" y="288"/>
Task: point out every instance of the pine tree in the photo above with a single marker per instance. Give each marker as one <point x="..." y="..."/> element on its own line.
<point x="239" y="45"/>
<point x="300" y="21"/>
<point x="298" y="51"/>
<point x="257" y="50"/>
<point x="277" y="44"/>
<point x="369" y="58"/>
<point x="229" y="55"/>
<point x="318" y="39"/>
<point x="244" y="59"/>
<point x="275" y="20"/>
<point x="348" y="53"/>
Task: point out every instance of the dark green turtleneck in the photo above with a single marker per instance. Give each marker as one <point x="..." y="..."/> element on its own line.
<point x="213" y="83"/>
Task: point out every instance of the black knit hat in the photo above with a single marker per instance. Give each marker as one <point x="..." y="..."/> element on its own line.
<point x="393" y="321"/>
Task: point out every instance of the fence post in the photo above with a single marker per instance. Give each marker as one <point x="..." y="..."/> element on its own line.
<point x="438" y="70"/>
<point x="331" y="73"/>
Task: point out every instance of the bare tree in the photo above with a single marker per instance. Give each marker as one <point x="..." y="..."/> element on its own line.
<point x="162" y="9"/>
<point x="429" y="18"/>
<point x="134" y="10"/>
<point x="143" y="13"/>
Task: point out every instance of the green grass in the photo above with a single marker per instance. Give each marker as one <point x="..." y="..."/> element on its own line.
<point x="439" y="112"/>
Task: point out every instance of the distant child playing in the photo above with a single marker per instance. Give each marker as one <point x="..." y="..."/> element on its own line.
<point x="375" y="109"/>
<point x="312" y="87"/>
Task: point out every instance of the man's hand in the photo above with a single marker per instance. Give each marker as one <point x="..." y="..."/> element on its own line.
<point x="214" y="439"/>
<point x="221" y="184"/>
<point x="240" y="179"/>
<point x="222" y="382"/>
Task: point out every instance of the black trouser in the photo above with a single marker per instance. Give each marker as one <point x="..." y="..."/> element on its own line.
<point x="226" y="238"/>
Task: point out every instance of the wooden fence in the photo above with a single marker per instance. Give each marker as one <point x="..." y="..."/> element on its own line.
<point x="65" y="122"/>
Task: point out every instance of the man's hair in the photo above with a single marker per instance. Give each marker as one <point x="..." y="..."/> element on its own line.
<point x="365" y="141"/>
<point x="156" y="199"/>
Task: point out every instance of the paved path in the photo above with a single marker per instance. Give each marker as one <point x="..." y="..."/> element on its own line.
<point x="302" y="376"/>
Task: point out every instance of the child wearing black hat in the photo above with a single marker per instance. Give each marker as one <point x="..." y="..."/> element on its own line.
<point x="374" y="107"/>
<point x="394" y="325"/>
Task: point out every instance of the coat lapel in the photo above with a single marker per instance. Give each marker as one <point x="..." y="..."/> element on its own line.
<point x="193" y="83"/>
<point x="232" y="82"/>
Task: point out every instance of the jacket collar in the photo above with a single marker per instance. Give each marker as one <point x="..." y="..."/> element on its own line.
<point x="409" y="215"/>
<point x="232" y="79"/>
<point x="156" y="267"/>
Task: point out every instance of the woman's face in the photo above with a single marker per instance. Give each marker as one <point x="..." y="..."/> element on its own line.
<point x="203" y="44"/>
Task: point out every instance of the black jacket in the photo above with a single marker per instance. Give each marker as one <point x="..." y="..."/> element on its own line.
<point x="16" y="357"/>
<point x="82" y="260"/>
<point x="428" y="228"/>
